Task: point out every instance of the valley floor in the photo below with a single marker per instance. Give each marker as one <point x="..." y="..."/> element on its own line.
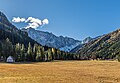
<point x="61" y="72"/>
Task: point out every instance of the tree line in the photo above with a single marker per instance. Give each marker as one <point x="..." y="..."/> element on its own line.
<point x="38" y="53"/>
<point x="33" y="53"/>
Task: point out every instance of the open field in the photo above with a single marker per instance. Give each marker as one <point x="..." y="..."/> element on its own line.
<point x="61" y="72"/>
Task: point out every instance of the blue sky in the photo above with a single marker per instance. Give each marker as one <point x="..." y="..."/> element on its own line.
<point x="73" y="18"/>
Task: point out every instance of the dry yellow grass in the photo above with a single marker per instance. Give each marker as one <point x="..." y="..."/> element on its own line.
<point x="61" y="72"/>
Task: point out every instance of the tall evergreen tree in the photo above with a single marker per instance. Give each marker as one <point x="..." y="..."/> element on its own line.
<point x="50" y="54"/>
<point x="35" y="51"/>
<point x="39" y="54"/>
<point x="8" y="47"/>
<point x="42" y="53"/>
<point x="58" y="54"/>
<point x="54" y="53"/>
<point x="23" y="53"/>
<point x="18" y="52"/>
<point x="29" y="53"/>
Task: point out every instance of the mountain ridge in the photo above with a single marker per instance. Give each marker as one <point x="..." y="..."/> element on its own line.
<point x="51" y="40"/>
<point x="105" y="47"/>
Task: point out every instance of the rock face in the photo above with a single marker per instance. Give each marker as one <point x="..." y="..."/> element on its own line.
<point x="105" y="47"/>
<point x="49" y="39"/>
<point x="78" y="47"/>
<point x="8" y="30"/>
<point x="86" y="40"/>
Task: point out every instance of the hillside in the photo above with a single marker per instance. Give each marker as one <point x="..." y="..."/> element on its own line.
<point x="105" y="47"/>
<point x="8" y="30"/>
<point x="85" y="41"/>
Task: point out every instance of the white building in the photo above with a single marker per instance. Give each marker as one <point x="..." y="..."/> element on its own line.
<point x="10" y="59"/>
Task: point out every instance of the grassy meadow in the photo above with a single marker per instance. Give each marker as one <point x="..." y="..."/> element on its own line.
<point x="61" y="72"/>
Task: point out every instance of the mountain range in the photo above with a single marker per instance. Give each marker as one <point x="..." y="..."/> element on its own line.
<point x="51" y="40"/>
<point x="17" y="44"/>
<point x="41" y="37"/>
<point x="106" y="46"/>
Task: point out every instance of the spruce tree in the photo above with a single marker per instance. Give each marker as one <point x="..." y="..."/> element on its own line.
<point x="50" y="54"/>
<point x="29" y="53"/>
<point x="23" y="53"/>
<point x="8" y="47"/>
<point x="58" y="54"/>
<point x="18" y="52"/>
<point x="39" y="54"/>
<point x="35" y="51"/>
<point x="54" y="53"/>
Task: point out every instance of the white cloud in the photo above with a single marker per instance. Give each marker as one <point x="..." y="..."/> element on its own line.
<point x="32" y="25"/>
<point x="45" y="21"/>
<point x="18" y="19"/>
<point x="32" y="22"/>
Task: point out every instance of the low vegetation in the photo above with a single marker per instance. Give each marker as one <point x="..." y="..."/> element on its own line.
<point x="61" y="72"/>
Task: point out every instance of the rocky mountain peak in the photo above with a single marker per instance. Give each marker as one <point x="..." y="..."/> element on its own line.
<point x="51" y="40"/>
<point x="86" y="40"/>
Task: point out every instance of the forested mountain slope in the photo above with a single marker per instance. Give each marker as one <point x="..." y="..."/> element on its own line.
<point x="105" y="47"/>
